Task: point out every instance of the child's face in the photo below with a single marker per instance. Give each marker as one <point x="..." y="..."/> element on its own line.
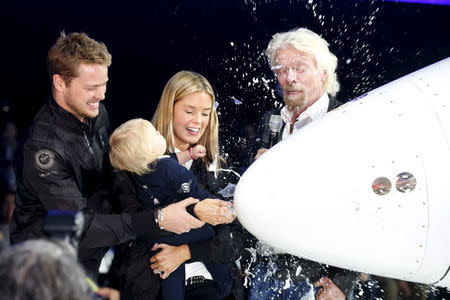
<point x="157" y="140"/>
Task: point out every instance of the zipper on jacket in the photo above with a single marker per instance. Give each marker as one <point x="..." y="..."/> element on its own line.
<point x="87" y="142"/>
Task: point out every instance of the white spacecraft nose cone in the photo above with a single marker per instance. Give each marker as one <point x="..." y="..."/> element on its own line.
<point x="364" y="188"/>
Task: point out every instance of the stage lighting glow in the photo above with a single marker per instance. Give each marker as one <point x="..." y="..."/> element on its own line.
<point x="435" y="2"/>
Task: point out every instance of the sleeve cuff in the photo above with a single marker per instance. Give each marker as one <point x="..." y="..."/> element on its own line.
<point x="190" y="210"/>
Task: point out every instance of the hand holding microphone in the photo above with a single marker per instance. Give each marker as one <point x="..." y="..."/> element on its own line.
<point x="275" y="124"/>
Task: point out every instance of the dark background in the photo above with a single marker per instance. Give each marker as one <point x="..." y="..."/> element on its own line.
<point x="375" y="41"/>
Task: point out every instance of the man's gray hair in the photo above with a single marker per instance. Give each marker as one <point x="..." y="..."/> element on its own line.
<point x="39" y="269"/>
<point x="311" y="43"/>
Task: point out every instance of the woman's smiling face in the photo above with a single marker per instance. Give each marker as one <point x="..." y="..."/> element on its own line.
<point x="191" y="116"/>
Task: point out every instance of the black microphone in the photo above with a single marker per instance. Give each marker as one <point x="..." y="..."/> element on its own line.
<point x="275" y="125"/>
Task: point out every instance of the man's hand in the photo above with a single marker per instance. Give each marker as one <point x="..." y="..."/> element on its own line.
<point x="214" y="211"/>
<point x="168" y="259"/>
<point x="405" y="289"/>
<point x="177" y="219"/>
<point x="329" y="290"/>
<point x="260" y="152"/>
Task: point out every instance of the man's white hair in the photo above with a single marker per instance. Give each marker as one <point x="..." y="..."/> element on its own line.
<point x="311" y="43"/>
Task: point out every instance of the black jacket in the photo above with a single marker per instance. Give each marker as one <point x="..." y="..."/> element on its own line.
<point x="65" y="166"/>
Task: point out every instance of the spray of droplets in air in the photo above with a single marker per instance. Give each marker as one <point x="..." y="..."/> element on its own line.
<point x="351" y="27"/>
<point x="248" y="88"/>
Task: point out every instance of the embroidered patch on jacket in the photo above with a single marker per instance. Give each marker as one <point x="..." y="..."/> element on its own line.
<point x="185" y="187"/>
<point x="44" y="159"/>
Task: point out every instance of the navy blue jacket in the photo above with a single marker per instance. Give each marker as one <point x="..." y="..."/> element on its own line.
<point x="168" y="182"/>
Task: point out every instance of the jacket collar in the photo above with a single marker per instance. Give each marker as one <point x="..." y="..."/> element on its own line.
<point x="63" y="117"/>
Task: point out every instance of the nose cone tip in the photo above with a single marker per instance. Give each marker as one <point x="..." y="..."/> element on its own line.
<point x="314" y="189"/>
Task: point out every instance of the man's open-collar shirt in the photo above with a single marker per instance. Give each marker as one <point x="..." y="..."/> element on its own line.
<point x="312" y="113"/>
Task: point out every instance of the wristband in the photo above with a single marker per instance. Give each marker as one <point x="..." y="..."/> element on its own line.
<point x="159" y="217"/>
<point x="190" y="154"/>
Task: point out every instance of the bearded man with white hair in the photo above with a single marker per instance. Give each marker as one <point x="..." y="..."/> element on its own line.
<point x="306" y="72"/>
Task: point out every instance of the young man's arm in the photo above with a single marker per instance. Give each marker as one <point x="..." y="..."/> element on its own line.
<point x="52" y="186"/>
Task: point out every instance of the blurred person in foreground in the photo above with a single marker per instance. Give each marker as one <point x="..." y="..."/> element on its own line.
<point x="40" y="269"/>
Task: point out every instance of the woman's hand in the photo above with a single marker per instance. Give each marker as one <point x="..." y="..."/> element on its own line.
<point x="176" y="219"/>
<point x="214" y="211"/>
<point x="168" y="259"/>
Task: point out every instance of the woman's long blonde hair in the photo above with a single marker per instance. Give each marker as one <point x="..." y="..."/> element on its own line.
<point x="180" y="85"/>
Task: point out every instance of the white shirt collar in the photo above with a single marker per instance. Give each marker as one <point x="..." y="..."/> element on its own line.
<point x="312" y="113"/>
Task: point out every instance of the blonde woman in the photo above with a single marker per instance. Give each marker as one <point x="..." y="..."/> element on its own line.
<point x="186" y="116"/>
<point x="136" y="146"/>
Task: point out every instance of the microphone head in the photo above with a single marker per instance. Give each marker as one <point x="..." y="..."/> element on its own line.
<point x="275" y="123"/>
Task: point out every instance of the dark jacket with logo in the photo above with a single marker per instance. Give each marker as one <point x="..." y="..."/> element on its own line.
<point x="65" y="166"/>
<point x="166" y="183"/>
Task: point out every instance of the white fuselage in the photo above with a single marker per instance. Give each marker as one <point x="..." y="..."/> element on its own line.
<point x="323" y="193"/>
